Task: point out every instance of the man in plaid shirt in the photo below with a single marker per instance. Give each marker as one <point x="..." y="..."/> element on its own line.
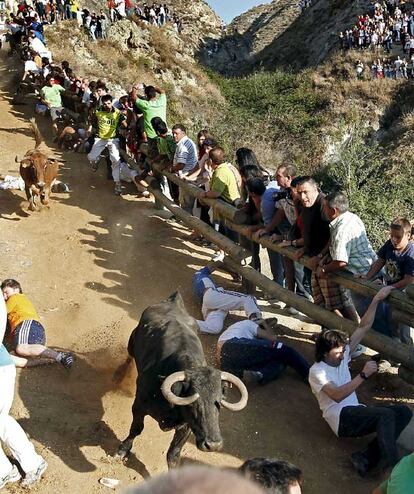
<point x="349" y="249"/>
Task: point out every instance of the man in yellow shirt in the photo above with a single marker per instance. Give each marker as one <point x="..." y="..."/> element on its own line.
<point x="224" y="185"/>
<point x="26" y="332"/>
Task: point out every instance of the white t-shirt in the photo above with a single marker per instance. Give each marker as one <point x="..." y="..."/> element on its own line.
<point x="30" y="66"/>
<point x="242" y="329"/>
<point x="321" y="374"/>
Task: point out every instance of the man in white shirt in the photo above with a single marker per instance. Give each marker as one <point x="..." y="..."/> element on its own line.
<point x="251" y="346"/>
<point x="334" y="389"/>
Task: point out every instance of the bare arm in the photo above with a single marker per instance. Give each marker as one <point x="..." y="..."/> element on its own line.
<point x="368" y="317"/>
<point x="375" y="268"/>
<point x="407" y="280"/>
<point x="277" y="219"/>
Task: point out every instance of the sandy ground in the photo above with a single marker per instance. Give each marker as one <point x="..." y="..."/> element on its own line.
<point x="91" y="263"/>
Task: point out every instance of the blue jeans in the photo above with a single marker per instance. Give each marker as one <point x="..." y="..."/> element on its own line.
<point x="276" y="266"/>
<point x="268" y="357"/>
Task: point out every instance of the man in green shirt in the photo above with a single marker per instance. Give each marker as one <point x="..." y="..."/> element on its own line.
<point x="154" y="104"/>
<point x="401" y="480"/>
<point x="107" y="121"/>
<point x="51" y="97"/>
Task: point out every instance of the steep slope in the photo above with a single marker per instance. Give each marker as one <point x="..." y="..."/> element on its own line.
<point x="135" y="51"/>
<point x="278" y="35"/>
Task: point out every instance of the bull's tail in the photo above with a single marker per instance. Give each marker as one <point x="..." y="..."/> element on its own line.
<point x="122" y="370"/>
<point x="36" y="132"/>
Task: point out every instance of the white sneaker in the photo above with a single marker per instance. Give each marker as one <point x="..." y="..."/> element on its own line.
<point x="219" y="256"/>
<point x="118" y="189"/>
<point x="35" y="475"/>
<point x="12" y="476"/>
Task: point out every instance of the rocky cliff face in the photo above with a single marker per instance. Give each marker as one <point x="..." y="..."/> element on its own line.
<point x="135" y="51"/>
<point x="278" y="35"/>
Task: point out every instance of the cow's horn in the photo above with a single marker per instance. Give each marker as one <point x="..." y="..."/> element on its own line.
<point x="235" y="407"/>
<point x="17" y="159"/>
<point x="173" y="398"/>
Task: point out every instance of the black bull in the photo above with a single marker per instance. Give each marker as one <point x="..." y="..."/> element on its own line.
<point x="174" y="385"/>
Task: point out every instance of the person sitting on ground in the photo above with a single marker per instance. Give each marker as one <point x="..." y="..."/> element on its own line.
<point x="251" y="348"/>
<point x="275" y="476"/>
<point x="26" y="332"/>
<point x="396" y="256"/>
<point x="51" y="97"/>
<point x="334" y="389"/>
<point x="11" y="433"/>
<point x="401" y="480"/>
<point x="217" y="302"/>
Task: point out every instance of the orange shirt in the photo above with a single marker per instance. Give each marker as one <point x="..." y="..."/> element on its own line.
<point x="19" y="309"/>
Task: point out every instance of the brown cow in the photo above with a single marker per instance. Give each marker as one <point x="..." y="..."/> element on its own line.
<point x="38" y="169"/>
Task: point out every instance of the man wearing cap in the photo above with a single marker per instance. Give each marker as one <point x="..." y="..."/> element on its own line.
<point x="217" y="302"/>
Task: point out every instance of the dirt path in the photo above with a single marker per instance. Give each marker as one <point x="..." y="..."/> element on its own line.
<point x="91" y="263"/>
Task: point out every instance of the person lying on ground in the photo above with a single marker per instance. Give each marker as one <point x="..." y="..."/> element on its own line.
<point x="217" y="302"/>
<point x="11" y="433"/>
<point x="252" y="347"/>
<point x="27" y="334"/>
<point x="334" y="389"/>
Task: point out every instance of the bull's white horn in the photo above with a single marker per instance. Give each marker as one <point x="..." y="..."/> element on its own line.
<point x="173" y="398"/>
<point x="17" y="159"/>
<point x="235" y="407"/>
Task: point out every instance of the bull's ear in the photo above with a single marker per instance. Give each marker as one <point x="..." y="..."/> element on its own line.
<point x="25" y="164"/>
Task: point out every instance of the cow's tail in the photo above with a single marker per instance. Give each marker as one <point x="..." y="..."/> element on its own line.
<point x="36" y="132"/>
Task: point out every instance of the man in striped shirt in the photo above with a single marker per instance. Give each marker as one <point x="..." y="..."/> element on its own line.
<point x="184" y="161"/>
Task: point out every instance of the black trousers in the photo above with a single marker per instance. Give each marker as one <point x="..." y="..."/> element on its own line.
<point x="388" y="422"/>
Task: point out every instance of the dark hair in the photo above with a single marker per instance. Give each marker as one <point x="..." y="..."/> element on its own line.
<point x="204" y="133"/>
<point x="217" y="155"/>
<point x="296" y="181"/>
<point x="307" y="179"/>
<point x="275" y="476"/>
<point x="256" y="186"/>
<point x="159" y="125"/>
<point x="338" y="200"/>
<point x="101" y="85"/>
<point x="181" y="127"/>
<point x="250" y="171"/>
<point x="105" y="98"/>
<point x="150" y="92"/>
<point x="246" y="157"/>
<point x="210" y="142"/>
<point x="328" y="340"/>
<point x="10" y="283"/>
<point x="64" y="64"/>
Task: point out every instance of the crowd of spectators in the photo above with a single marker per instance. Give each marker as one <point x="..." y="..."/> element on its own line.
<point x="390" y="25"/>
<point x="288" y="207"/>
